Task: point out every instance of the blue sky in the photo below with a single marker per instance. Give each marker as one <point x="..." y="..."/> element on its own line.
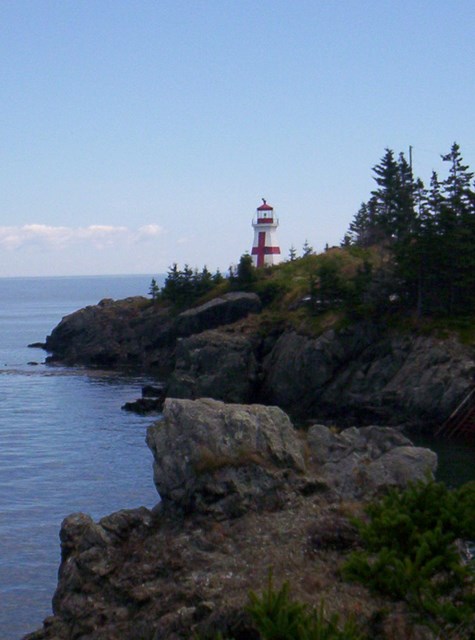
<point x="140" y="133"/>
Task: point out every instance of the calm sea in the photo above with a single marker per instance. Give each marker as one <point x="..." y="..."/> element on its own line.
<point x="65" y="444"/>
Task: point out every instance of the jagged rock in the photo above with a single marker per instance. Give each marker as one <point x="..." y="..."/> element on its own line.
<point x="361" y="374"/>
<point x="79" y="532"/>
<point x="151" y="391"/>
<point x="298" y="368"/>
<point x="242" y="492"/>
<point x="134" y="332"/>
<point x="151" y="401"/>
<point x="333" y="531"/>
<point x="220" y="311"/>
<point x="114" y="333"/>
<point x="368" y="461"/>
<point x="225" y="458"/>
<point x="144" y="406"/>
<point x="357" y="375"/>
<point x="406" y="377"/>
<point x="215" y="364"/>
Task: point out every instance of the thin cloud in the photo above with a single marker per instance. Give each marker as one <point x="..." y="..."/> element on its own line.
<point x="99" y="236"/>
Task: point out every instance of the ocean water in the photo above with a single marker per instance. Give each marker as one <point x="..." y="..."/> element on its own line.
<point x="65" y="443"/>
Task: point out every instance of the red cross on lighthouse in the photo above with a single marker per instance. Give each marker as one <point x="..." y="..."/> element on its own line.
<point x="265" y="248"/>
<point x="260" y="250"/>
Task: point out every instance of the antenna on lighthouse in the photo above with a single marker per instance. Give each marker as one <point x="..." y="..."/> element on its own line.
<point x="265" y="248"/>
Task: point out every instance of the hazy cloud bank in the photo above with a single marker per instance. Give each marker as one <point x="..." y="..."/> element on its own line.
<point x="99" y="236"/>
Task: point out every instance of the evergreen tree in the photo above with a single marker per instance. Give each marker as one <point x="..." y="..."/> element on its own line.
<point x="171" y="285"/>
<point x="218" y="277"/>
<point x="246" y="273"/>
<point x="457" y="222"/>
<point x="363" y="229"/>
<point x="154" y="290"/>
<point x="307" y="249"/>
<point x="392" y="203"/>
<point x="292" y="254"/>
<point x="430" y="233"/>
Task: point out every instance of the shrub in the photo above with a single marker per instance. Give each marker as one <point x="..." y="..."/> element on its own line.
<point x="278" y="617"/>
<point x="410" y="551"/>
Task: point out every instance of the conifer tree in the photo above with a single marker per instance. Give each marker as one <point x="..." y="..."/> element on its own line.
<point x="457" y="222"/>
<point x="154" y="290"/>
<point x="246" y="273"/>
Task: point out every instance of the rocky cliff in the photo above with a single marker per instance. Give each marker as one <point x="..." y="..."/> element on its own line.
<point x="242" y="492"/>
<point x="357" y="375"/>
<point x="135" y="332"/>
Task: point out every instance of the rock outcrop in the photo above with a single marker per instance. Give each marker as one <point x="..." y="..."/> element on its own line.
<point x="357" y="375"/>
<point x="218" y="312"/>
<point x="368" y="461"/>
<point x="135" y="332"/>
<point x="119" y="333"/>
<point x="216" y="364"/>
<point x="211" y="456"/>
<point x="242" y="492"/>
<point x="151" y="401"/>
<point x="361" y="374"/>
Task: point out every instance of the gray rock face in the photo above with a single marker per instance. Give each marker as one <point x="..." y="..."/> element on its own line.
<point x="136" y="332"/>
<point x="113" y="333"/>
<point x="299" y="368"/>
<point x="368" y="461"/>
<point x="220" y="311"/>
<point x="224" y="458"/>
<point x="215" y="364"/>
<point x="357" y="374"/>
<point x="242" y="491"/>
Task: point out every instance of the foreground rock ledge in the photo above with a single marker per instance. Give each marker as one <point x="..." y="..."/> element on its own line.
<point x="242" y="491"/>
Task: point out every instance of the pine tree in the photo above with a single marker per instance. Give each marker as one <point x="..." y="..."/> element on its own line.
<point x="307" y="249"/>
<point x="457" y="225"/>
<point x="363" y="230"/>
<point x="246" y="273"/>
<point x="218" y="277"/>
<point x="154" y="290"/>
<point x="392" y="202"/>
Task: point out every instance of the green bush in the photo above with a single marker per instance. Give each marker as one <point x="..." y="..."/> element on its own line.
<point x="410" y="552"/>
<point x="277" y="617"/>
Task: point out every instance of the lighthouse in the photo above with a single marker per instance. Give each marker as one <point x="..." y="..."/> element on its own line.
<point x="265" y="248"/>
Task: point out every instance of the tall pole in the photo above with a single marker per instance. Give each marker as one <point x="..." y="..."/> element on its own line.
<point x="410" y="157"/>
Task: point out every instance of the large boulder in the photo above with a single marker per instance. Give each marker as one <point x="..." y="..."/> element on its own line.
<point x="360" y="463"/>
<point x="215" y="364"/>
<point x="223" y="458"/>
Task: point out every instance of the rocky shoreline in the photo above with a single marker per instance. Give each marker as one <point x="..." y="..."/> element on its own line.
<point x="242" y="492"/>
<point x="226" y="349"/>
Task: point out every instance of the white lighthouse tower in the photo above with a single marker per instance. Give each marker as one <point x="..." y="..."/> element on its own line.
<point x="265" y="248"/>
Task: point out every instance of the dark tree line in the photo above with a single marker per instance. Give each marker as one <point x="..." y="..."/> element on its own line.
<point x="182" y="287"/>
<point x="428" y="231"/>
